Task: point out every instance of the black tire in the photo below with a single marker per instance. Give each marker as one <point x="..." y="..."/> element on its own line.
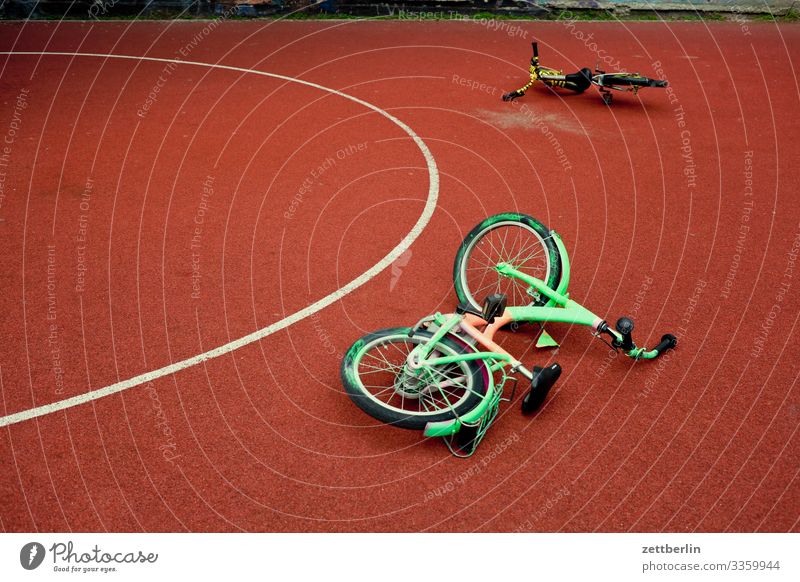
<point x="628" y="81"/>
<point x="551" y="275"/>
<point x="475" y="371"/>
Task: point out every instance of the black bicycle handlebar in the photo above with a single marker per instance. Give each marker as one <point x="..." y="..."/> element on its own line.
<point x="625" y="342"/>
<point x="535" y="57"/>
<point x="668" y="342"/>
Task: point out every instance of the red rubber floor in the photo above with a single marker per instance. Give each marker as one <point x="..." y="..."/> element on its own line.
<point x="152" y="211"/>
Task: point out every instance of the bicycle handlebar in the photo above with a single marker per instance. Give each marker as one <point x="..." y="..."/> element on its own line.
<point x="535" y="57"/>
<point x="623" y="340"/>
<point x="668" y="342"/>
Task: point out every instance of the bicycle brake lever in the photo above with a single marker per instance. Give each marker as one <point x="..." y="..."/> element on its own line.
<point x="599" y="336"/>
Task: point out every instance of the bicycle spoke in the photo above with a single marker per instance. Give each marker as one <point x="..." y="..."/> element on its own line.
<point x="489" y="264"/>
<point x="523" y="262"/>
<point x="465" y="388"/>
<point x="515" y="245"/>
<point x="375" y="371"/>
<point x="438" y="388"/>
<point x="391" y="368"/>
<point x="485" y="254"/>
<point x="518" y="257"/>
<point x="489" y="286"/>
<point x="517" y="237"/>
<point x="503" y="244"/>
<point x="384" y="360"/>
<point x="491" y="244"/>
<point x="385" y="390"/>
<point x="422" y="402"/>
<point x="514" y="292"/>
<point x="523" y="287"/>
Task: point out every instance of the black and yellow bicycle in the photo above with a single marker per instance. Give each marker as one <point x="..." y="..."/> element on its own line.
<point x="583" y="79"/>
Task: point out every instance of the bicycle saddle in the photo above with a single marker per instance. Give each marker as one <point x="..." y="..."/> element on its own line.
<point x="543" y="380"/>
<point x="581" y="80"/>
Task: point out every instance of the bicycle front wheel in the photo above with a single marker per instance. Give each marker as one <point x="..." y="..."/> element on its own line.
<point x="375" y="375"/>
<point x="513" y="238"/>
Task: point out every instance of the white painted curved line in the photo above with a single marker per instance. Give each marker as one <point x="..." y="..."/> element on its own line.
<point x="422" y="222"/>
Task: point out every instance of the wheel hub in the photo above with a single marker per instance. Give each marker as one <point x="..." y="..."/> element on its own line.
<point x="408" y="385"/>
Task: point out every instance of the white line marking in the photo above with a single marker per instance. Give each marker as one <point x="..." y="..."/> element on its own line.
<point x="422" y="222"/>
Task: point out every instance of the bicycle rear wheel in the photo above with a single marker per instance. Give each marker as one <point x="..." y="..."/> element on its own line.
<point x="517" y="239"/>
<point x="376" y="378"/>
<point x="629" y="80"/>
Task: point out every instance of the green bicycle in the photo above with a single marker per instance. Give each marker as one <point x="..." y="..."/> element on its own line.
<point x="446" y="374"/>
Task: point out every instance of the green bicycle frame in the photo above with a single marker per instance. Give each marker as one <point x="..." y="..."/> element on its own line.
<point x="567" y="310"/>
<point x="559" y="308"/>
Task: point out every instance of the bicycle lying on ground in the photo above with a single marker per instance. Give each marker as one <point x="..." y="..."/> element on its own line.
<point x="439" y="376"/>
<point x="583" y="79"/>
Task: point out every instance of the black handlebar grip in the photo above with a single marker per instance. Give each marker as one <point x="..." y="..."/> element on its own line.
<point x="535" y="46"/>
<point x="625" y="328"/>
<point x="668" y="342"/>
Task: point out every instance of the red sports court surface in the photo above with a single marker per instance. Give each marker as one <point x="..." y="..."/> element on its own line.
<point x="153" y="211"/>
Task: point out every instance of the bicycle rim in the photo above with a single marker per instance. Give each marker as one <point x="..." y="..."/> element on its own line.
<point x="520" y="246"/>
<point x="383" y="377"/>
